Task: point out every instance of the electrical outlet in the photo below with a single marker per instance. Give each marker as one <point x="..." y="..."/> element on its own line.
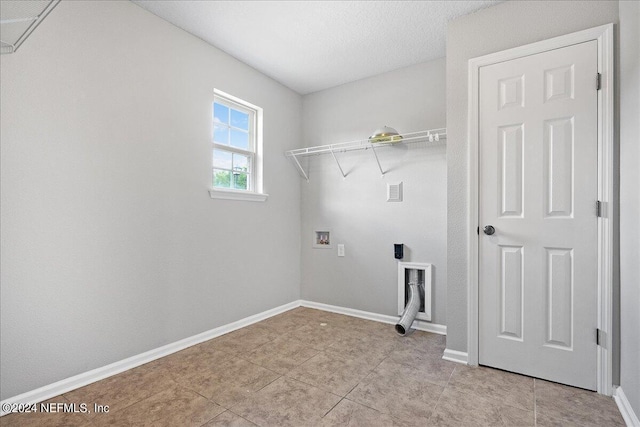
<point x="340" y="249"/>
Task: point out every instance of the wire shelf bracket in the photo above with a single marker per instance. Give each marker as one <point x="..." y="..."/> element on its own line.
<point x="430" y="137"/>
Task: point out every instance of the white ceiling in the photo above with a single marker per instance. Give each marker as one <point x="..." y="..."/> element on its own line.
<point x="313" y="45"/>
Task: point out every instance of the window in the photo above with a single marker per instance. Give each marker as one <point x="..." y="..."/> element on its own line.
<point x="236" y="140"/>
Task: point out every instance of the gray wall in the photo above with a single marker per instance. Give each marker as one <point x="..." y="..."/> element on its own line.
<point x="630" y="201"/>
<point x="111" y="245"/>
<point x="355" y="208"/>
<point x="497" y="28"/>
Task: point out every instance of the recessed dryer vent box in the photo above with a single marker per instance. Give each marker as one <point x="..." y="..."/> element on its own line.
<point x="420" y="273"/>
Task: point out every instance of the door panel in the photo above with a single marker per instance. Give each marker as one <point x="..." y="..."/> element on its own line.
<point x="512" y="167"/>
<point x="558" y="166"/>
<point x="538" y="188"/>
<point x="511" y="292"/>
<point x="559" y="312"/>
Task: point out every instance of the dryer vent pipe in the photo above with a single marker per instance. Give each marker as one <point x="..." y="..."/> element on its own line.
<point x="410" y="310"/>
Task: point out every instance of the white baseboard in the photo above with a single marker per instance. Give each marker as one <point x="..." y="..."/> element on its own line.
<point x="420" y="325"/>
<point x="625" y="408"/>
<point x="456" y="356"/>
<point x="86" y="378"/>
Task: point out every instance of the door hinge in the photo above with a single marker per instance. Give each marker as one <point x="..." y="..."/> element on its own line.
<point x="478" y="230"/>
<point x="598" y="81"/>
<point x="601" y="337"/>
<point x="598" y="208"/>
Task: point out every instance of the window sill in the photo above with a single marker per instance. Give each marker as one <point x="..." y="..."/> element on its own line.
<point x="247" y="196"/>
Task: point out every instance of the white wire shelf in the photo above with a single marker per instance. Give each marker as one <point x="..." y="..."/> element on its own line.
<point x="18" y="19"/>
<point x="431" y="137"/>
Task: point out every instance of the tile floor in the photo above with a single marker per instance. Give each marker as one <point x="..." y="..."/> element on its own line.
<point x="312" y="368"/>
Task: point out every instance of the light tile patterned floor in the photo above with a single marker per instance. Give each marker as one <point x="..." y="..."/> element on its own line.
<point x="312" y="368"/>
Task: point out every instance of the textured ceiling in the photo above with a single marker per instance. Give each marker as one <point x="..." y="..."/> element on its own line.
<point x="313" y="45"/>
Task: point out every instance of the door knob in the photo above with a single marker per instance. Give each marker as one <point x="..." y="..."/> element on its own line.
<point x="489" y="230"/>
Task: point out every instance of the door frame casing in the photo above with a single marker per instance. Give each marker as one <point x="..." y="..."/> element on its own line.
<point x="604" y="37"/>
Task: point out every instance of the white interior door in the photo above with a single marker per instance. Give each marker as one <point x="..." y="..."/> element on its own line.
<point x="538" y="190"/>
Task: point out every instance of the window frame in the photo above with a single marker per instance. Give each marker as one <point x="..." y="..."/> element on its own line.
<point x="254" y="191"/>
